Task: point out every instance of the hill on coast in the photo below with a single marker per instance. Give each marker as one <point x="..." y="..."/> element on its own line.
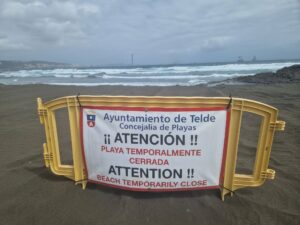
<point x="10" y="65"/>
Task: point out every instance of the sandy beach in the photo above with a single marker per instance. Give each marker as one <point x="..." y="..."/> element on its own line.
<point x="31" y="194"/>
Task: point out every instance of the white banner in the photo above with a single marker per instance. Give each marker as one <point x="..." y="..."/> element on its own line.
<point x="154" y="149"/>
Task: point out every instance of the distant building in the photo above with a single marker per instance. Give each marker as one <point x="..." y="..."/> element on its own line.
<point x="240" y="59"/>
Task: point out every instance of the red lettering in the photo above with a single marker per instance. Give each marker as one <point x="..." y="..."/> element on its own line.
<point x="148" y="161"/>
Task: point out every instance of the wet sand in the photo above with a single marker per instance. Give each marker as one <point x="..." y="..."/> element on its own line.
<point x="31" y="194"/>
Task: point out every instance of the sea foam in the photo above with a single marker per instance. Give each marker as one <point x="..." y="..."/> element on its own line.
<point x="140" y="76"/>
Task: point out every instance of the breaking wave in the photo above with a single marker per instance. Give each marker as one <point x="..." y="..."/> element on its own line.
<point x="140" y="76"/>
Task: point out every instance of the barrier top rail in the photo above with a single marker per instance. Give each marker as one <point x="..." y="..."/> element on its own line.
<point x="231" y="109"/>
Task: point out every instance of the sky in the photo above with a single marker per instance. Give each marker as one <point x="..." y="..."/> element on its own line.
<point x="87" y="32"/>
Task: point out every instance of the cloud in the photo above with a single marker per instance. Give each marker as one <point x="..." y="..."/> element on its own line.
<point x="216" y="43"/>
<point x="101" y="32"/>
<point x="46" y="22"/>
<point x="7" y="44"/>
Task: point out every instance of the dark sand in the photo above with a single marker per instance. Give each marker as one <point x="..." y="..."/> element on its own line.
<point x="31" y="194"/>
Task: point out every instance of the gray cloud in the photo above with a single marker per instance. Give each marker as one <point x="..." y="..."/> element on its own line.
<point x="43" y="23"/>
<point x="104" y="32"/>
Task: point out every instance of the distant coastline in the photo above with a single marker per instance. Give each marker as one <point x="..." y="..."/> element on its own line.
<point x="11" y="65"/>
<point x="14" y="65"/>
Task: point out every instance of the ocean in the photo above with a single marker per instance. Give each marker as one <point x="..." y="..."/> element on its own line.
<point x="182" y="75"/>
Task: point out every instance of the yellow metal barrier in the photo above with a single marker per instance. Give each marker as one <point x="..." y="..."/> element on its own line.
<point x="232" y="180"/>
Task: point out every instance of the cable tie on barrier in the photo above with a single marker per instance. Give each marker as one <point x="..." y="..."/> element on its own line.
<point x="231" y="191"/>
<point x="77" y="97"/>
<point x="78" y="181"/>
<point x="230" y="101"/>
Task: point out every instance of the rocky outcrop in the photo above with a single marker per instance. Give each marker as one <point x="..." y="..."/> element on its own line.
<point x="284" y="75"/>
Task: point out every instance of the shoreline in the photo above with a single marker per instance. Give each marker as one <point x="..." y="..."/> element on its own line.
<point x="163" y="78"/>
